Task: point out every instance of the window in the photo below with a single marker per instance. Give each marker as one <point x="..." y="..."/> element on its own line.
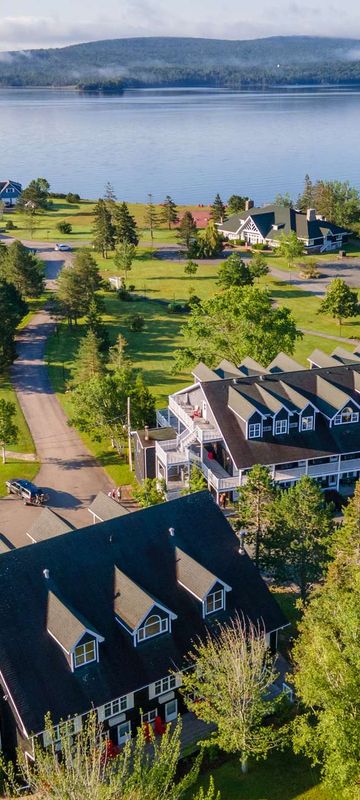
<point x="254" y="430"/>
<point x="84" y="653"/>
<point x="165" y="684"/>
<point x="149" y="716"/>
<point x="153" y="626"/>
<point x="281" y="426"/>
<point x="347" y="415"/>
<point x="214" y="601"/>
<point x="64" y="729"/>
<point x="171" y="710"/>
<point x="307" y="423"/>
<point x="115" y="707"/>
<point x="124" y="732"/>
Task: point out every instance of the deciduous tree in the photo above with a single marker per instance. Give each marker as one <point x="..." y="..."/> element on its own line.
<point x="236" y="204"/>
<point x="8" y="427"/>
<point x="209" y="243"/>
<point x="340" y="301"/>
<point x="191" y="268"/>
<point x="258" y="266"/>
<point x="290" y="247"/>
<point x="234" y="272"/>
<point x="13" y="308"/>
<point x="150" y="492"/>
<point x="124" y="256"/>
<point x="196" y="481"/>
<point x="326" y="657"/>
<point x="228" y="685"/>
<point x="35" y="195"/>
<point x="234" y="324"/>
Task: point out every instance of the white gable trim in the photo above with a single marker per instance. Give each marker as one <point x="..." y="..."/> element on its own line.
<point x="7" y="691"/>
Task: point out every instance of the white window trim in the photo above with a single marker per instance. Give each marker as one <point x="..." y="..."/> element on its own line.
<point x="171" y="717"/>
<point x="149" y="716"/>
<point x="338" y="419"/>
<point x="305" y="420"/>
<point x="253" y="425"/>
<point x="212" y="594"/>
<point x="119" y="710"/>
<point x="127" y="735"/>
<point x="164" y="628"/>
<point x="88" y="660"/>
<point x="165" y="686"/>
<point x="281" y="423"/>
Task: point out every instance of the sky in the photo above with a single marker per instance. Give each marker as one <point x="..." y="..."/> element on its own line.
<point x="49" y="23"/>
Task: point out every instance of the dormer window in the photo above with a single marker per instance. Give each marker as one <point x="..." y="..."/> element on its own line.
<point x="153" y="626"/>
<point x="214" y="602"/>
<point x="85" y="653"/>
<point x="281" y="426"/>
<point x="346" y="416"/>
<point x="307" y="423"/>
<point x="254" y="430"/>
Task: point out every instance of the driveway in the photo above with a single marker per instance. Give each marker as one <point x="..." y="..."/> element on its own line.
<point x="68" y="471"/>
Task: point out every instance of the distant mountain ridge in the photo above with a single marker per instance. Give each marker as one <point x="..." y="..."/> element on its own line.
<point x="166" y="61"/>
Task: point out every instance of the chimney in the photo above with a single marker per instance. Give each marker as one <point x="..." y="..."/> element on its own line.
<point x="311" y="215"/>
<point x="146" y="433"/>
<point x="249" y="204"/>
<point x="46" y="574"/>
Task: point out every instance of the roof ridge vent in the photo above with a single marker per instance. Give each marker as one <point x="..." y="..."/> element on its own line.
<point x="172" y="531"/>
<point x="46" y="574"/>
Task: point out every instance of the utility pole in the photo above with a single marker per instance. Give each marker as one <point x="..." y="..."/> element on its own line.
<point x="129" y="435"/>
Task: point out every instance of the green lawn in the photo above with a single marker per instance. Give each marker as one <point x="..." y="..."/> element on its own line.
<point x="282" y="776"/>
<point x="24" y="443"/>
<point x="17" y="469"/>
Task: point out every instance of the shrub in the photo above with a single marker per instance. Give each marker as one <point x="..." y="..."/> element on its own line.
<point x="132" y="287"/>
<point x="124" y="295"/>
<point x="136" y="322"/>
<point x="64" y="227"/>
<point x="177" y="308"/>
<point x="10" y="226"/>
<point x="309" y="271"/>
<point x="259" y="246"/>
<point x="71" y="197"/>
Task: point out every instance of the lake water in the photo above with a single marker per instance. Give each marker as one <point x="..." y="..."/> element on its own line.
<point x="187" y="143"/>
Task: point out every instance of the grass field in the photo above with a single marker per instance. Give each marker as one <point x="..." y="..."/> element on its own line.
<point x="24" y="443"/>
<point x="281" y="777"/>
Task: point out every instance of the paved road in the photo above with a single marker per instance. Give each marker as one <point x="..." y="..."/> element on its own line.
<point x="68" y="471"/>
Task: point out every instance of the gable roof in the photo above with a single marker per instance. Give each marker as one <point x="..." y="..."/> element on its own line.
<point x="64" y="625"/>
<point x="272" y="221"/>
<point x="48" y="524"/>
<point x="283" y="363"/>
<point x="196" y="578"/>
<point x="226" y="369"/>
<point x="106" y="507"/>
<point x="32" y="663"/>
<point x="202" y="373"/>
<point x="131" y="603"/>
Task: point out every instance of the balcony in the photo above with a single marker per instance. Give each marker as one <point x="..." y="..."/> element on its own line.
<point x="318" y="470"/>
<point x="170" y="454"/>
<point x="162" y="418"/>
<point x="205" y="431"/>
<point x="216" y="475"/>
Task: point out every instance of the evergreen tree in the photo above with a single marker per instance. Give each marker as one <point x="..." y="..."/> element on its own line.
<point x="258" y="266"/>
<point x="109" y="195"/>
<point x="234" y="272"/>
<point x="169" y="212"/>
<point x="21" y="268"/>
<point x="236" y="204"/>
<point x="283" y="200"/>
<point x="255" y="504"/>
<point x="340" y="301"/>
<point x="125" y="225"/>
<point x="89" y="361"/>
<point x="298" y="543"/>
<point x="187" y="231"/>
<point x="13" y="308"/>
<point x="94" y="322"/>
<point x="8" y="428"/>
<point x="69" y="293"/>
<point x="151" y="217"/>
<point x="103" y="230"/>
<point x="124" y="256"/>
<point x="87" y="270"/>
<point x="142" y="402"/>
<point x="117" y="354"/>
<point x="307" y="198"/>
<point x="326" y="657"/>
<point x="217" y="209"/>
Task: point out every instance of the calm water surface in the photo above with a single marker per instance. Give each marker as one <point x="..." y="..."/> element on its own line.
<point x="188" y="143"/>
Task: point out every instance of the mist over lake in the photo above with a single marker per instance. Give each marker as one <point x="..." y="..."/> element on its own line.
<point x="189" y="143"/>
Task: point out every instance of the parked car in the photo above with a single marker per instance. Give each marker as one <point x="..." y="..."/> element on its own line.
<point x="30" y="494"/>
<point x="62" y="247"/>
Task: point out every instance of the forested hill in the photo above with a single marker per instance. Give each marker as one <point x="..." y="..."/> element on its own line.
<point x="171" y="61"/>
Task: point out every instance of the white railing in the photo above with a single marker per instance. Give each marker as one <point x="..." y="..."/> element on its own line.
<point x="180" y="412"/>
<point x="318" y="470"/>
<point x="352" y="465"/>
<point x="161" y="420"/>
<point x="168" y="454"/>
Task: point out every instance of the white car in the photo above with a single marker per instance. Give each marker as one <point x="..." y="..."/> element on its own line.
<point x="62" y="247"/>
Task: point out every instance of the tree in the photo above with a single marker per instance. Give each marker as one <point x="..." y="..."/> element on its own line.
<point x="340" y="301"/>
<point x="169" y="212"/>
<point x="87" y="270"/>
<point x="209" y="243"/>
<point x="196" y="482"/>
<point x="229" y="684"/>
<point x="258" y="266"/>
<point x="326" y="658"/>
<point x="187" y="231"/>
<point x="125" y="225"/>
<point x="290" y="247"/>
<point x="13" y="308"/>
<point x="124" y="257"/>
<point x="299" y="540"/>
<point x="234" y="324"/>
<point x="35" y="195"/>
<point x="217" y="209"/>
<point x="88" y="769"/>
<point x="117" y="354"/>
<point x="8" y="428"/>
<point x="283" y="200"/>
<point x="150" y="493"/>
<point x="191" y="268"/>
<point x="103" y="230"/>
<point x="334" y="200"/>
<point x="94" y="322"/>
<point x="2" y="209"/>
<point x="78" y="284"/>
<point x="89" y="360"/>
<point x="109" y="195"/>
<point x="21" y="268"/>
<point x="64" y="227"/>
<point x="234" y="272"/>
<point x="151" y="217"/>
<point x="136" y="322"/>
<point x="306" y="199"/>
<point x="255" y="504"/>
<point x="236" y="204"/>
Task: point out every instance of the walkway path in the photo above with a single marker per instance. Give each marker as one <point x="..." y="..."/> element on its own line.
<point x="321" y="335"/>
<point x="68" y="472"/>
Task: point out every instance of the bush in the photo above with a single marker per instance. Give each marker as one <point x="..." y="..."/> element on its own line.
<point x="309" y="271"/>
<point x="259" y="246"/>
<point x="10" y="226"/>
<point x="123" y="294"/>
<point x="64" y="227"/>
<point x="136" y="323"/>
<point x="177" y="308"/>
<point x="132" y="287"/>
<point x="71" y="197"/>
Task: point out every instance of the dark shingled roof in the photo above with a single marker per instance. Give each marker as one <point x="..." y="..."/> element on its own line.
<point x="288" y="219"/>
<point x="81" y="568"/>
<point x="326" y="389"/>
<point x="63" y="623"/>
